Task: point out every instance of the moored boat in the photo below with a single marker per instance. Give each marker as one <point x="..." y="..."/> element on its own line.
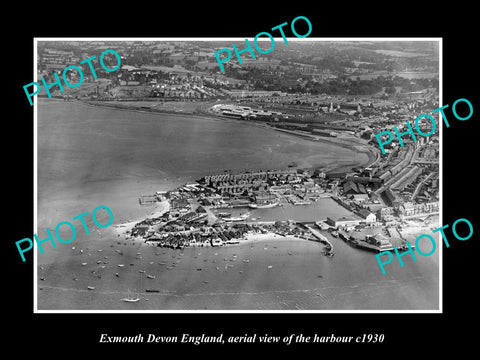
<point x="264" y="206"/>
<point x="131" y="298"/>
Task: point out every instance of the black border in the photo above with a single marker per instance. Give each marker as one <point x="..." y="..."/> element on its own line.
<point x="426" y="333"/>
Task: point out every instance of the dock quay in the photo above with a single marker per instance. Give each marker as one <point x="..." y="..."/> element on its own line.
<point x="389" y="245"/>
<point x="344" y="236"/>
<point x="365" y="245"/>
<point x="319" y="236"/>
<point x="147" y="199"/>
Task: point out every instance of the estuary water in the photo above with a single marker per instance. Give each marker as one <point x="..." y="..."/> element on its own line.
<point x="90" y="156"/>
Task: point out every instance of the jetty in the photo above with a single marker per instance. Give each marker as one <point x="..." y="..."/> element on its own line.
<point x="328" y="251"/>
<point x="319" y="236"/>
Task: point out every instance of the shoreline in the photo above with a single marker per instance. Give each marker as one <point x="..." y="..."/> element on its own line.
<point x="122" y="228"/>
<point x="345" y="143"/>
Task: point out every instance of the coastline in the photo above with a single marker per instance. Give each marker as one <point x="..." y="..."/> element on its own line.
<point x="122" y="228"/>
<point x="346" y="143"/>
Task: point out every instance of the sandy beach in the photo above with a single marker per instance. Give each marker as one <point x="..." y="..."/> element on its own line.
<point x="159" y="209"/>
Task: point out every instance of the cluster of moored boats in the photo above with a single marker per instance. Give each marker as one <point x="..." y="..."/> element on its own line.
<point x="328" y="251"/>
<point x="171" y="241"/>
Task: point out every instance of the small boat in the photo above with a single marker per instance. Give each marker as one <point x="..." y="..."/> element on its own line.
<point x="246" y="261"/>
<point x="141" y="271"/>
<point x="269" y="266"/>
<point x="91" y="287"/>
<point x="130" y="298"/>
<point x="83" y="264"/>
<point x="264" y="206"/>
<point x="120" y="265"/>
<point x="116" y="274"/>
<point x="152" y="290"/>
<point x="151" y="276"/>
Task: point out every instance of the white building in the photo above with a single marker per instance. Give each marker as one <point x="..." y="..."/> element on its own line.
<point x="368" y="216"/>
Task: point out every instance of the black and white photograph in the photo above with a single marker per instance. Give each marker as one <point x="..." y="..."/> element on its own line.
<point x="260" y="187"/>
<point x="214" y="179"/>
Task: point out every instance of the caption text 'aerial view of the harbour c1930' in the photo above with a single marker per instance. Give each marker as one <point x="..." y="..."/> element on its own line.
<point x="259" y="189"/>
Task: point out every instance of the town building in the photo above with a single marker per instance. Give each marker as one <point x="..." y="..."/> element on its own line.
<point x="379" y="240"/>
<point x="343" y="221"/>
<point x="368" y="216"/>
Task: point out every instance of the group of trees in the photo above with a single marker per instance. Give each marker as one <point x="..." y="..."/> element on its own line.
<point x="338" y="86"/>
<point x="389" y="85"/>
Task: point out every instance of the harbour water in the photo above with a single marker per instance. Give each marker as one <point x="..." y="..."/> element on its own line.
<point x="91" y="156"/>
<point x="316" y="211"/>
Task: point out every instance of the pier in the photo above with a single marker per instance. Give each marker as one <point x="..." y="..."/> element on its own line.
<point x="319" y="236"/>
<point x="147" y="199"/>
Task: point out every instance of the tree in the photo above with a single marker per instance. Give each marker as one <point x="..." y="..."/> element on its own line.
<point x="390" y="90"/>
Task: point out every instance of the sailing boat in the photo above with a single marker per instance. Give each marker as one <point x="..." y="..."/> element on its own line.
<point x="130" y="298"/>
